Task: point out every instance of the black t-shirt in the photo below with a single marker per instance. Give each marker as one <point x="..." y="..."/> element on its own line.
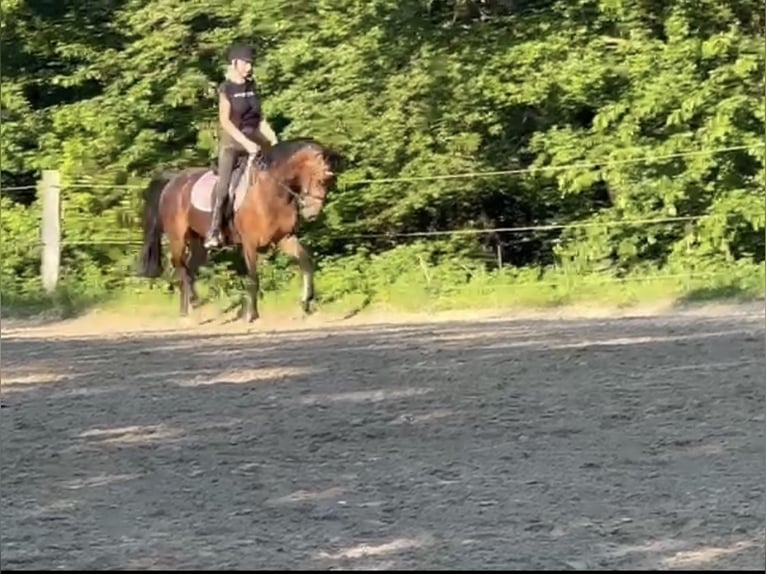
<point x="245" y="103"/>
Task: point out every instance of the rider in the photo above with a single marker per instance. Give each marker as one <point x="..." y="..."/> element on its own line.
<point x="243" y="128"/>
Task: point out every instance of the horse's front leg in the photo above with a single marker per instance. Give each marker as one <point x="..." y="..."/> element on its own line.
<point x="291" y="246"/>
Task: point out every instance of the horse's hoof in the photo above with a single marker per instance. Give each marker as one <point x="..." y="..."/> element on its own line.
<point x="307" y="306"/>
<point x="251" y="317"/>
<point x="199" y="303"/>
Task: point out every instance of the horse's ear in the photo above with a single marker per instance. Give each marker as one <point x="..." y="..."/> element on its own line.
<point x="333" y="160"/>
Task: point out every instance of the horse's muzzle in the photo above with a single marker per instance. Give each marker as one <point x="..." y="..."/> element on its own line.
<point x="309" y="214"/>
<point x="310" y="208"/>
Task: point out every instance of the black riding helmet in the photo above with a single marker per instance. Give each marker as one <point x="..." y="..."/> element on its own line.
<point x="241" y="52"/>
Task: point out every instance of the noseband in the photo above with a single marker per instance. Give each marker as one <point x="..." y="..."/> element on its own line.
<point x="302" y="196"/>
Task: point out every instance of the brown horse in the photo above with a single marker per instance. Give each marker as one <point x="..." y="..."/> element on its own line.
<point x="293" y="181"/>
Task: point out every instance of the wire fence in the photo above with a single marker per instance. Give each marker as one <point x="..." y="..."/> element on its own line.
<point x="653" y="158"/>
<point x="563" y="167"/>
<point x="130" y="239"/>
<point x="19" y="188"/>
<point x="137" y="240"/>
<point x="544" y="227"/>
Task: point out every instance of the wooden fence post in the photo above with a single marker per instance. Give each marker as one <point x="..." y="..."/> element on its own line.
<point x="51" y="229"/>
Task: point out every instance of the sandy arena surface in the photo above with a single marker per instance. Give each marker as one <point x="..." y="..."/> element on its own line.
<point x="494" y="442"/>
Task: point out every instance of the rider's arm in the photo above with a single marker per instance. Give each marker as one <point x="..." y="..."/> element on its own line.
<point x="224" y="110"/>
<point x="267" y="131"/>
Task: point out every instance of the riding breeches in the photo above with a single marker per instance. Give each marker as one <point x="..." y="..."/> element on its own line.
<point x="228" y="152"/>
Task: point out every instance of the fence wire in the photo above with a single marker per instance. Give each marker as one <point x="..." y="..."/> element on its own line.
<point x="75" y="184"/>
<point x="131" y="240"/>
<point x="436" y="233"/>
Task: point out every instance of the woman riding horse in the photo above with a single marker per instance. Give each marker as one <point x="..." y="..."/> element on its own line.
<point x="300" y="173"/>
<point x="243" y="129"/>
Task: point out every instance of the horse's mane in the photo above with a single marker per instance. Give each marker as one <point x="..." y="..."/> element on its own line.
<point x="285" y="149"/>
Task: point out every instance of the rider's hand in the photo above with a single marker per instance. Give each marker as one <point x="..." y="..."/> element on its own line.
<point x="252" y="148"/>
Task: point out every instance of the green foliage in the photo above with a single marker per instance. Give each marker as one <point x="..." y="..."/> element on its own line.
<point x="575" y="91"/>
<point x="19" y="248"/>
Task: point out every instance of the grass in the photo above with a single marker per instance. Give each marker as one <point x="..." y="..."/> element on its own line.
<point x="422" y="290"/>
<point x="63" y="303"/>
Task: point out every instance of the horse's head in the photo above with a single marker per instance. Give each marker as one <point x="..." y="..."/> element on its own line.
<point x="308" y="168"/>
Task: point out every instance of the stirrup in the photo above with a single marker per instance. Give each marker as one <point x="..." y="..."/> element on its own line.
<point x="213" y="239"/>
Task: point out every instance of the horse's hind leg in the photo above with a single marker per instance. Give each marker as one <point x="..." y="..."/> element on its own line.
<point x="177" y="249"/>
<point x="197" y="258"/>
<point x="291" y="246"/>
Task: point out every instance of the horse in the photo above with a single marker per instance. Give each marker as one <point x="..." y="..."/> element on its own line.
<point x="265" y="204"/>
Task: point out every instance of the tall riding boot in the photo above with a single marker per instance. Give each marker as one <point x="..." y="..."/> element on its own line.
<point x="213" y="238"/>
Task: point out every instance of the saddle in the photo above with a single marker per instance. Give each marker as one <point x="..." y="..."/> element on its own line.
<point x="238" y="171"/>
<point x="202" y="190"/>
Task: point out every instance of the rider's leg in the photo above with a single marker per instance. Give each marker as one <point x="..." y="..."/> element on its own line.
<point x="226" y="157"/>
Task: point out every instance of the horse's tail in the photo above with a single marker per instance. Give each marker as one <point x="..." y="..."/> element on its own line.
<point x="151" y="254"/>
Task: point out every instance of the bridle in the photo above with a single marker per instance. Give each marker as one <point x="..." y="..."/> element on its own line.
<point x="299" y="197"/>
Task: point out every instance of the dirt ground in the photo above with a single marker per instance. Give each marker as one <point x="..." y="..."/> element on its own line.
<point x="543" y="441"/>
